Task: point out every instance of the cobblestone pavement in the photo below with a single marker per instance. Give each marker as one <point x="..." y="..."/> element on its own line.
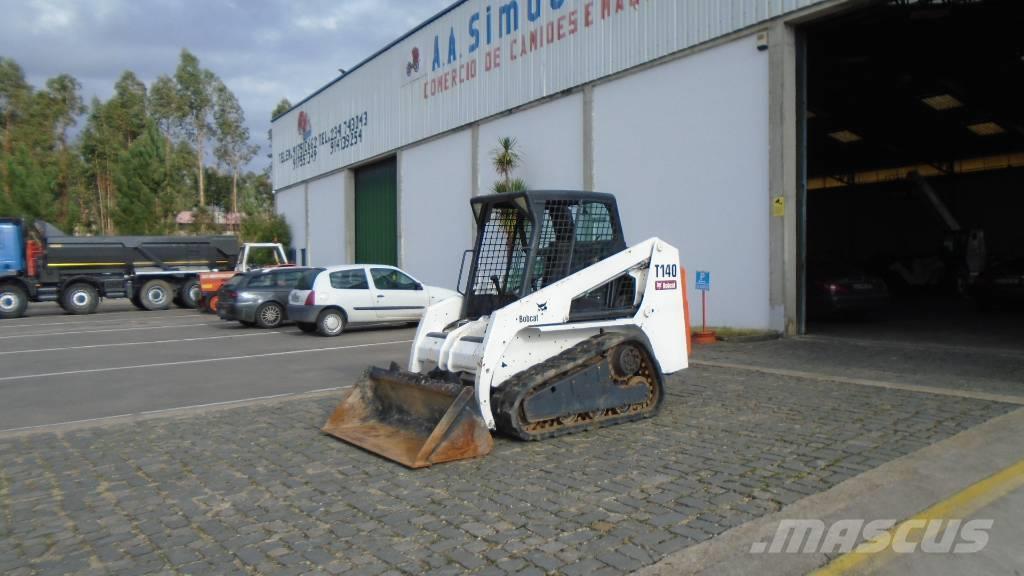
<point x="258" y="489"/>
<point x="973" y="369"/>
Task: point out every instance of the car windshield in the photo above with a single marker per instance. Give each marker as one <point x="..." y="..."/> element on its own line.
<point x="308" y="278"/>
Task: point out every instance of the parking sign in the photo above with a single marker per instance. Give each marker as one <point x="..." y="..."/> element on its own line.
<point x="703" y="281"/>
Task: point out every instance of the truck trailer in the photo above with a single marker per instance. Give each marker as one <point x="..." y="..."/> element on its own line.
<point x="40" y="263"/>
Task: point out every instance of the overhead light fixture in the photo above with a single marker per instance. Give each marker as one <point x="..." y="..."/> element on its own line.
<point x="845" y="136"/>
<point x="986" y="129"/>
<point x="942" y="102"/>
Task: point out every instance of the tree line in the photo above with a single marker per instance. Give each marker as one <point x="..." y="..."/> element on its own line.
<point x="141" y="157"/>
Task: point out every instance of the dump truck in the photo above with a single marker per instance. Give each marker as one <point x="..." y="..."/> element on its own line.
<point x="560" y="328"/>
<point x="40" y="263"/>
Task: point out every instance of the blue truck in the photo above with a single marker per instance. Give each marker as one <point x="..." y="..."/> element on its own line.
<point x="40" y="263"/>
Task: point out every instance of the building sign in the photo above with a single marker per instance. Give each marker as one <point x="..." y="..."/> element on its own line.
<point x="506" y="32"/>
<point x="484" y="57"/>
<point x="337" y="138"/>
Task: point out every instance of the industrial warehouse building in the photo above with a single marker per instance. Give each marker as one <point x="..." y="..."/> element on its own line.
<point x="764" y="138"/>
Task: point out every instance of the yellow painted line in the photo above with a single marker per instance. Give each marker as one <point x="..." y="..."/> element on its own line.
<point x="960" y="505"/>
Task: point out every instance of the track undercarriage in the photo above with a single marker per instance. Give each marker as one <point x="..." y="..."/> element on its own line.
<point x="605" y="380"/>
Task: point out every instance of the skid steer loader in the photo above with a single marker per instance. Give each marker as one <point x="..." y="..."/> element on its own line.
<point x="561" y="328"/>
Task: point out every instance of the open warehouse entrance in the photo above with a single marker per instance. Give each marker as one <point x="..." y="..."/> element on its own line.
<point x="915" y="170"/>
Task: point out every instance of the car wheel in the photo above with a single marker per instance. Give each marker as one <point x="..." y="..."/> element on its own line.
<point x="307" y="327"/>
<point x="80" y="298"/>
<point x="330" y="323"/>
<point x="269" y="315"/>
<point x="189" y="294"/>
<point x="156" y="295"/>
<point x="13" y="301"/>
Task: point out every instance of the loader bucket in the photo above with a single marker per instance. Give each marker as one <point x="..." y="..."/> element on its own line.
<point x="411" y="419"/>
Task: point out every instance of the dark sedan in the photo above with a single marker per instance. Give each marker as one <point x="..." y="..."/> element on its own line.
<point x="259" y="298"/>
<point x="834" y="290"/>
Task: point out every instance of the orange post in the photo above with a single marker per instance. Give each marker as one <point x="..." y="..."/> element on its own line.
<point x="686" y="312"/>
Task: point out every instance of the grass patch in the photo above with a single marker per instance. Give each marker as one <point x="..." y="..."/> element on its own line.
<point x="729" y="333"/>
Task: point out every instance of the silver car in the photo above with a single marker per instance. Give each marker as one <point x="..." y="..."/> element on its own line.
<point x="260" y="298"/>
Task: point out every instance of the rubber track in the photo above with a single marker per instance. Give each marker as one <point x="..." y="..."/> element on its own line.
<point x="512" y="391"/>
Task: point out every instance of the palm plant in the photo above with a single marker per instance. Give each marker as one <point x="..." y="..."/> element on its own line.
<point x="505" y="159"/>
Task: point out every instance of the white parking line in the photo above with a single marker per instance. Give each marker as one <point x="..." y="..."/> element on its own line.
<point x="151" y="318"/>
<point x="119" y="344"/>
<point x="38" y="334"/>
<point x="169" y="410"/>
<point x="201" y="361"/>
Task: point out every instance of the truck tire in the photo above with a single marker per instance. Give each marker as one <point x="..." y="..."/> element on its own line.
<point x="156" y="295"/>
<point x="13" y="301"/>
<point x="136" y="301"/>
<point x="189" y="294"/>
<point x="80" y="298"/>
<point x="330" y="323"/>
<point x="269" y="315"/>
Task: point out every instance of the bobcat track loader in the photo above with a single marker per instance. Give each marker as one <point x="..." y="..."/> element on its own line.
<point x="561" y="328"/>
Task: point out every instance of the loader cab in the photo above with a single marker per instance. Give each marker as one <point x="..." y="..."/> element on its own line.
<point x="529" y="240"/>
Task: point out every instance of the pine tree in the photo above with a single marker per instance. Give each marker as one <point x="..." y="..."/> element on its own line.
<point x="141" y="180"/>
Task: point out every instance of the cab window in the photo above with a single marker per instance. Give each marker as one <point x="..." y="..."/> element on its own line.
<point x="391" y="279"/>
<point x="349" y="280"/>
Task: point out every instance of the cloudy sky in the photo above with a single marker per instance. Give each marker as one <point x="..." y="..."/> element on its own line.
<point x="264" y="50"/>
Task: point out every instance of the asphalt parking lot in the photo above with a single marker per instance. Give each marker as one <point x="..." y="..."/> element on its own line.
<point x="122" y="361"/>
<point x="174" y="443"/>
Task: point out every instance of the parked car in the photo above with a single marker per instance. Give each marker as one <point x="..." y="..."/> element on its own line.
<point x="1000" y="284"/>
<point x="259" y="298"/>
<point x="339" y="296"/>
<point x="837" y="289"/>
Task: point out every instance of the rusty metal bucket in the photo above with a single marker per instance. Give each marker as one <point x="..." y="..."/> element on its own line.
<point x="411" y="419"/>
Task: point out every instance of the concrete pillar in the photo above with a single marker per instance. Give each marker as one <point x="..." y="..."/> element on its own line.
<point x="588" y="137"/>
<point x="305" y="209"/>
<point x="782" y="203"/>
<point x="350" y="216"/>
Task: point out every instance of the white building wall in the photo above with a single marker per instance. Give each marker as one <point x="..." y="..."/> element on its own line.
<point x="291" y="203"/>
<point x="550" y="142"/>
<point x="327" y="220"/>
<point x="435" y="185"/>
<point x="684" y="147"/>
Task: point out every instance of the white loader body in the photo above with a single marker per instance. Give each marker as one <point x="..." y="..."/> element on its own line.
<point x="538" y="326"/>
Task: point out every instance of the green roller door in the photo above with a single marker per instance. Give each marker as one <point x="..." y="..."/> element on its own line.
<point x="377" y="213"/>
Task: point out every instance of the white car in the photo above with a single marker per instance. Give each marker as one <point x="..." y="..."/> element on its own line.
<point x="327" y="300"/>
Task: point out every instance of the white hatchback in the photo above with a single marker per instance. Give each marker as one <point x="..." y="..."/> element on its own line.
<point x="327" y="300"/>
